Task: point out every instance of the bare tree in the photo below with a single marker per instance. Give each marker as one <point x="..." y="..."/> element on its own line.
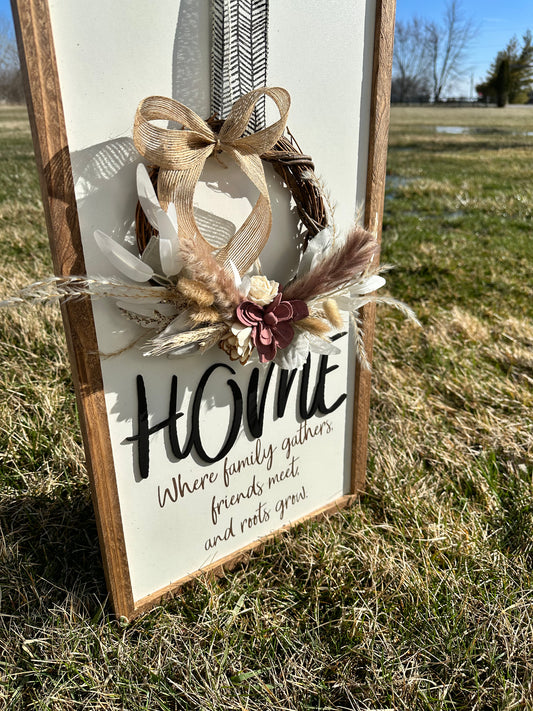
<point x="447" y="45"/>
<point x="411" y="68"/>
<point x="11" y="89"/>
<point x="410" y="59"/>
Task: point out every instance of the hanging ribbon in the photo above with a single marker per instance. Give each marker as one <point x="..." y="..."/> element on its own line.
<point x="239" y="54"/>
<point x="181" y="155"/>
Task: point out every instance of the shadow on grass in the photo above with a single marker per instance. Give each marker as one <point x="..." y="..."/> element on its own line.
<point x="49" y="553"/>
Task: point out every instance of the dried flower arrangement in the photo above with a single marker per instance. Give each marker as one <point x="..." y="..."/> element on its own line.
<point x="191" y="296"/>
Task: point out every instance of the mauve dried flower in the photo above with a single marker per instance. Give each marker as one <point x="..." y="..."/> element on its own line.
<point x="271" y="324"/>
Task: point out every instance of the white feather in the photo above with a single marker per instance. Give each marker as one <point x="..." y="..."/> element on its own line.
<point x="127" y="263"/>
<point x="172" y="215"/>
<point x="317" y="248"/>
<point x="372" y="283"/>
<point x="246" y="283"/>
<point x="294" y="356"/>
<point x="358" y="294"/>
<point x="169" y="255"/>
<point x="321" y="346"/>
<point x="236" y="275"/>
<point x="166" y="223"/>
<point x="147" y="197"/>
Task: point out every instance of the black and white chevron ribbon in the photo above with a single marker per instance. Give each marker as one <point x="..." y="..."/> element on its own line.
<point x="239" y="51"/>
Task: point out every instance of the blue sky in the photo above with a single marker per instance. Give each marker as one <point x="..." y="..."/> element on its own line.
<point x="498" y="21"/>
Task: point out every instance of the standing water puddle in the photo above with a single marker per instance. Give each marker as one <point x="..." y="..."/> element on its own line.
<point x="393" y="182"/>
<point x="478" y="130"/>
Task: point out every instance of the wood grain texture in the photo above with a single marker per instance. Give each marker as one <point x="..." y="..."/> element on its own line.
<point x="375" y="195"/>
<point x="36" y="49"/>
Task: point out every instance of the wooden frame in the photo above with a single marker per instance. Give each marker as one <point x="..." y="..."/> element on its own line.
<point x="36" y="48"/>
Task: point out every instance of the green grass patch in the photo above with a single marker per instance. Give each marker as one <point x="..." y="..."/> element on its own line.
<point x="459" y="208"/>
<point x="418" y="598"/>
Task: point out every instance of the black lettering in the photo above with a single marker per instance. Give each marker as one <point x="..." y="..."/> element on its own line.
<point x="321" y="387"/>
<point x="254" y="418"/>
<point x="173" y="417"/>
<point x="306" y="412"/>
<point x="285" y="381"/>
<point x="236" y="415"/>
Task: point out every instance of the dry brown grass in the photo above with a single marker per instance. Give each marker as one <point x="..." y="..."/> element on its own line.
<point x="420" y="597"/>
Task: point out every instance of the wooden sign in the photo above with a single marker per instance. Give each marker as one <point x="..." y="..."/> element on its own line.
<point x="194" y="461"/>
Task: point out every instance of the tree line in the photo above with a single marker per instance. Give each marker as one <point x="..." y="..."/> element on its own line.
<point x="429" y="56"/>
<point x="510" y="77"/>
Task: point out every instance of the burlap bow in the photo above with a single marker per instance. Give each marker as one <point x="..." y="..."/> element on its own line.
<point x="181" y="155"/>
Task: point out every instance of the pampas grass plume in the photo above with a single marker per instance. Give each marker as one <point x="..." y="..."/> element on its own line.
<point x="337" y="269"/>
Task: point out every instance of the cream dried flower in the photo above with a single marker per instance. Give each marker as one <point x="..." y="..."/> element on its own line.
<point x="262" y="290"/>
<point x="238" y="342"/>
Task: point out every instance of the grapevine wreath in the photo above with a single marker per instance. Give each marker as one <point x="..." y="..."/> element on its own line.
<point x="191" y="296"/>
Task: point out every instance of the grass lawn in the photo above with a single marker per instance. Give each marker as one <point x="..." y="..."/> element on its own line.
<point x="419" y="597"/>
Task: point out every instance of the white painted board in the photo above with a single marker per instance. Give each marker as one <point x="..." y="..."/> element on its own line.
<point x="110" y="56"/>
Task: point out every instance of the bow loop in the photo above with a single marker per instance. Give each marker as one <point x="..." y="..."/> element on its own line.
<point x="181" y="155"/>
<point x="236" y="123"/>
<point x="171" y="149"/>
